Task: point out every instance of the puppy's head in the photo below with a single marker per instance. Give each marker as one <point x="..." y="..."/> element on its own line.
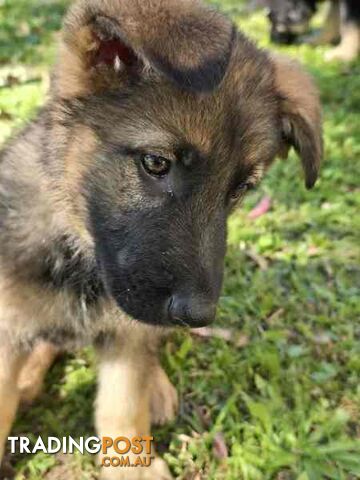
<point x="165" y="117"/>
<point x="289" y="19"/>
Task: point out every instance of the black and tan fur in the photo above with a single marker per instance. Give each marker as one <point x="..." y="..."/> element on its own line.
<point x="93" y="248"/>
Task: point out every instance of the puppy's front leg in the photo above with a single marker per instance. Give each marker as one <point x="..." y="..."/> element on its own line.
<point x="32" y="375"/>
<point x="123" y="405"/>
<point x="11" y="362"/>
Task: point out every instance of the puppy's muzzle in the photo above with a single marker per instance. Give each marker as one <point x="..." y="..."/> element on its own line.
<point x="191" y="310"/>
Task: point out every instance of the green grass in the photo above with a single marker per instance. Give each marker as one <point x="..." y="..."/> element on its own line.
<point x="287" y="403"/>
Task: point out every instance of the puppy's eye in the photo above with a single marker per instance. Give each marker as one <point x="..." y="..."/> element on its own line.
<point x="156" y="165"/>
<point x="241" y="190"/>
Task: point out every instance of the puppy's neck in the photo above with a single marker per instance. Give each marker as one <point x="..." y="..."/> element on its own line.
<point x="38" y="241"/>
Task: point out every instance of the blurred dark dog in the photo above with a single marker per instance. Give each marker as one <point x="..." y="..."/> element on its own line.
<point x="290" y="19"/>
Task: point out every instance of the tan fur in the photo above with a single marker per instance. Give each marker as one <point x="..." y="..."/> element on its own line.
<point x="163" y="395"/>
<point x="27" y="308"/>
<point x="138" y="21"/>
<point x="34" y="370"/>
<point x="163" y="398"/>
<point x="11" y="363"/>
<point x="301" y="114"/>
<point x="349" y="47"/>
<point x="73" y="79"/>
<point x="78" y="160"/>
<point x="331" y="31"/>
<point x="123" y="403"/>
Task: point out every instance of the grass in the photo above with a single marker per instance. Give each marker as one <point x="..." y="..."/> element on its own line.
<point x="284" y="394"/>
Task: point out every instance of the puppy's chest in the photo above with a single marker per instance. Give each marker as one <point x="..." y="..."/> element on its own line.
<point x="71" y="322"/>
<point x="64" y="267"/>
<point x="79" y="310"/>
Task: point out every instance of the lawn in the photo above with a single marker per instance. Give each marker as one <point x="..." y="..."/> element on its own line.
<point x="274" y="393"/>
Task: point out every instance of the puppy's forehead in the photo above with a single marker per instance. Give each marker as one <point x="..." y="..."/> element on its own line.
<point x="239" y="120"/>
<point x="235" y="121"/>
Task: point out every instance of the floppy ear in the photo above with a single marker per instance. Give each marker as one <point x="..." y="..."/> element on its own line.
<point x="106" y="42"/>
<point x="300" y="116"/>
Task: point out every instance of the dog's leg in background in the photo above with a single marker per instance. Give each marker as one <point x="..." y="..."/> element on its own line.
<point x="33" y="373"/>
<point x="349" y="47"/>
<point x="123" y="403"/>
<point x="11" y="362"/>
<point x="331" y="31"/>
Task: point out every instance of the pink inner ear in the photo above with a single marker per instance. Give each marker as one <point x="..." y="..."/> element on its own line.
<point x="110" y="49"/>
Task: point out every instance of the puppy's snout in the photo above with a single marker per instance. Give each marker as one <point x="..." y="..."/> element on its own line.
<point x="191" y="310"/>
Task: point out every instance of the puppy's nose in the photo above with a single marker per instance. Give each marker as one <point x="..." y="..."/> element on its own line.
<point x="191" y="310"/>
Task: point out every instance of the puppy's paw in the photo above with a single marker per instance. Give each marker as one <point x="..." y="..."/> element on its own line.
<point x="341" y="54"/>
<point x="163" y="398"/>
<point x="158" y="470"/>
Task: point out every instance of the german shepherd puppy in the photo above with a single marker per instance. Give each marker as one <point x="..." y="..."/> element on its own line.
<point x="114" y="201"/>
<point x="290" y="19"/>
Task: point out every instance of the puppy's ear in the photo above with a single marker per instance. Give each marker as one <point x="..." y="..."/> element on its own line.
<point x="300" y="116"/>
<point x="106" y="42"/>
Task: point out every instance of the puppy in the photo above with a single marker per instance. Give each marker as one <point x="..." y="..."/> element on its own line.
<point x="290" y="19"/>
<point x="114" y="201"/>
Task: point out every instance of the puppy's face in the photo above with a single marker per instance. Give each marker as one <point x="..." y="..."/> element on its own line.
<point x="289" y="19"/>
<point x="167" y="143"/>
